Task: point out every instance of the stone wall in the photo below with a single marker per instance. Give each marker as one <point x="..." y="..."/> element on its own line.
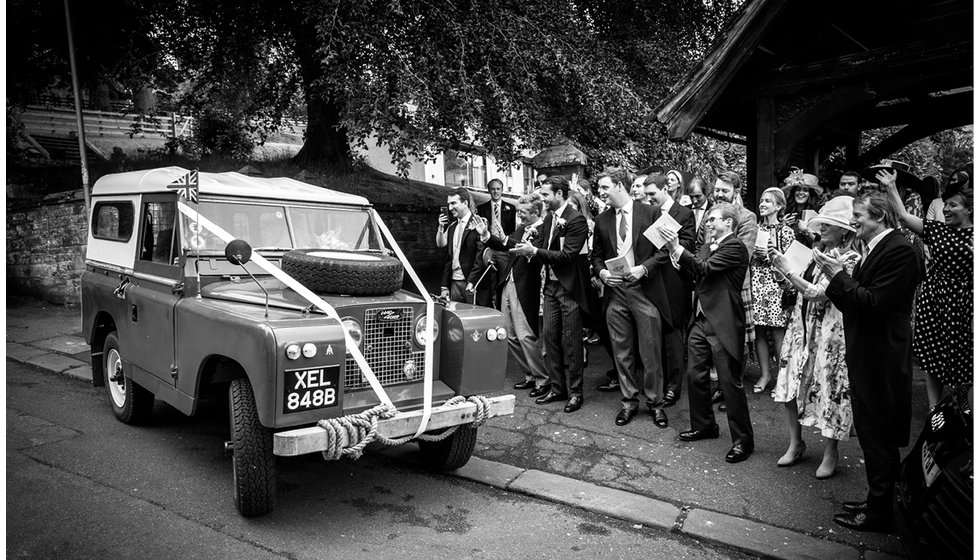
<point x="46" y="246"/>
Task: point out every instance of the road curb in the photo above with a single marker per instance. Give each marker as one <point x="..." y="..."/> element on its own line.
<point x="734" y="532"/>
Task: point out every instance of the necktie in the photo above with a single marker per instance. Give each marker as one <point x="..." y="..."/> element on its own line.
<point x="496" y="215"/>
<point x="623" y="225"/>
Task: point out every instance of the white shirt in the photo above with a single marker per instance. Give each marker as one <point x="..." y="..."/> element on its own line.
<point x="666" y="206"/>
<point x="457" y="240"/>
<point x="877" y="239"/>
<point x="624" y="247"/>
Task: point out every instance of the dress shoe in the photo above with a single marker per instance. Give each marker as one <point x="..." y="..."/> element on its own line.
<point x="722" y="407"/>
<point x="539" y="391"/>
<point x="524" y="385"/>
<point x="739" y="452"/>
<point x="855" y="507"/>
<point x="660" y="418"/>
<point x="670" y="399"/>
<point x="550" y="398"/>
<point x="717" y="397"/>
<point x="695" y="435"/>
<point x="573" y="403"/>
<point x="866" y="521"/>
<point x="624" y="416"/>
<point x="609" y="386"/>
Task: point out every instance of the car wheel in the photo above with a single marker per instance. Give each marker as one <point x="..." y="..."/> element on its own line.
<point x="253" y="463"/>
<point x="329" y="271"/>
<point x="450" y="453"/>
<point x="130" y="402"/>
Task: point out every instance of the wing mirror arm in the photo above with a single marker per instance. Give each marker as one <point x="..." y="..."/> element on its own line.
<point x="240" y="252"/>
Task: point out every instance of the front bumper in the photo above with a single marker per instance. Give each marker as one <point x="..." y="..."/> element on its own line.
<point x="314" y="439"/>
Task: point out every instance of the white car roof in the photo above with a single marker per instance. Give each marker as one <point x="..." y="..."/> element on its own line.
<point x="226" y="184"/>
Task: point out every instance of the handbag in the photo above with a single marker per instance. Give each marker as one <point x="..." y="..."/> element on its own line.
<point x="788" y="298"/>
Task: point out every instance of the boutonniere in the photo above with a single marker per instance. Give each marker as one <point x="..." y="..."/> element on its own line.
<point x="713" y="247"/>
<point x="560" y="224"/>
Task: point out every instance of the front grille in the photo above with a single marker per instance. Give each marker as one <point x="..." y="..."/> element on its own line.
<point x="386" y="345"/>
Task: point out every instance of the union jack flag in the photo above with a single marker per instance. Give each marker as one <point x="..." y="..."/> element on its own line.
<point x="186" y="186"/>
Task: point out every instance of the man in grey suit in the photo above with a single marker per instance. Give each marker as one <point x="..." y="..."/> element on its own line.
<point x="635" y="299"/>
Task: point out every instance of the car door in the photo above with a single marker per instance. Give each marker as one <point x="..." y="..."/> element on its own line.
<point x="156" y="287"/>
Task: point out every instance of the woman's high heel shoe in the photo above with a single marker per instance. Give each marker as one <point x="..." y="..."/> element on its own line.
<point x="788" y="460"/>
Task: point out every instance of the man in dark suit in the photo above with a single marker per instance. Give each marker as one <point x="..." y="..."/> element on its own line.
<point x="717" y="332"/>
<point x="501" y="217"/>
<point x="697" y="191"/>
<point x="877" y="305"/>
<point x="634" y="297"/>
<point x="678" y="291"/>
<point x="567" y="293"/>
<point x="463" y="269"/>
<point x="520" y="288"/>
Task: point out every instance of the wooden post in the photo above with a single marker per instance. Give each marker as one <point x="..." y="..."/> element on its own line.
<point x="78" y="108"/>
<point x="762" y="168"/>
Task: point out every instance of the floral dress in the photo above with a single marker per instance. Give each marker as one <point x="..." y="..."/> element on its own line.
<point x="943" y="336"/>
<point x="767" y="309"/>
<point x="812" y="369"/>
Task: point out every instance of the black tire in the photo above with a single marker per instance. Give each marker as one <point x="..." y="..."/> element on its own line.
<point x="328" y="271"/>
<point x="451" y="453"/>
<point x="130" y="402"/>
<point x="253" y="463"/>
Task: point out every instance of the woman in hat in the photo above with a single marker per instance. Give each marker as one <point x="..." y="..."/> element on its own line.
<point x="803" y="192"/>
<point x="768" y="314"/>
<point x="677" y="182"/>
<point x="943" y="337"/>
<point x="812" y="380"/>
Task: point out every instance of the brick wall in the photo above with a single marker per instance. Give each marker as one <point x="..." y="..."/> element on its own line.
<point x="46" y="246"/>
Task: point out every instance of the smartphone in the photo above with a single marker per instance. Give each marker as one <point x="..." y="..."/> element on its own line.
<point x="444" y="210"/>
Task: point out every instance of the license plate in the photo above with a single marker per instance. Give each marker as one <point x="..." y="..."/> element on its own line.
<point x="310" y="388"/>
<point x="930" y="470"/>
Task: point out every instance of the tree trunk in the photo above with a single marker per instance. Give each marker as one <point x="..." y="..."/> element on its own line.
<point x="326" y="143"/>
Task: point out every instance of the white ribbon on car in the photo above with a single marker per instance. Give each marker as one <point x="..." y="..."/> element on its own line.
<point x="314" y="299"/>
<point x="429" y="319"/>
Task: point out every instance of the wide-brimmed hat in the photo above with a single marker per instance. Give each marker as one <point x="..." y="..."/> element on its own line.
<point x="837" y="212"/>
<point x="906" y="179"/>
<point x="797" y="178"/>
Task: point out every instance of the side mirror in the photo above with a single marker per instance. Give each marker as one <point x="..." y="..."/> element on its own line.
<point x="238" y="252"/>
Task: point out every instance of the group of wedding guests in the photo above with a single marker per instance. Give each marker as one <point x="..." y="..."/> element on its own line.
<point x="822" y="286"/>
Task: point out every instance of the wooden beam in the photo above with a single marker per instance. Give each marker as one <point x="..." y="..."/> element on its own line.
<point x="940" y="55"/>
<point x="903" y="113"/>
<point x="909" y="134"/>
<point x="840" y="100"/>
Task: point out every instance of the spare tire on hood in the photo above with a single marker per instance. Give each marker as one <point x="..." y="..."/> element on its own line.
<point x="329" y="271"/>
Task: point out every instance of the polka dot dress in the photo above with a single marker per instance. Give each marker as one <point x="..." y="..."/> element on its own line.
<point x="943" y="338"/>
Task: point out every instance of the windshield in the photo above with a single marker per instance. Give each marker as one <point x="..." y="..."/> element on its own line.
<point x="277" y="226"/>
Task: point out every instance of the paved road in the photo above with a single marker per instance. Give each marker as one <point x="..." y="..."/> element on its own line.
<point x="82" y="485"/>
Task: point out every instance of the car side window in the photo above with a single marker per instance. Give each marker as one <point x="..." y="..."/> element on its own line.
<point x="159" y="241"/>
<point x="113" y="221"/>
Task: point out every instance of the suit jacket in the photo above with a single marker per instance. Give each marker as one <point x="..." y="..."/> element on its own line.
<point x="508" y="215"/>
<point x="701" y="229"/>
<point x="719" y="275"/>
<point x="527" y="275"/>
<point x="678" y="290"/>
<point x="563" y="255"/>
<point x="877" y="305"/>
<point x="644" y="253"/>
<point x="470" y="248"/>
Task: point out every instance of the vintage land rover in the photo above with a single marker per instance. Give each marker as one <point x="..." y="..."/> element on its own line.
<point x="286" y="297"/>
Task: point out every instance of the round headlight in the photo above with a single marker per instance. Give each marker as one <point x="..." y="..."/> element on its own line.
<point x="292" y="351"/>
<point x="309" y="350"/>
<point x="501" y="333"/>
<point x="420" y="330"/>
<point x="353" y="328"/>
<point x="491" y="334"/>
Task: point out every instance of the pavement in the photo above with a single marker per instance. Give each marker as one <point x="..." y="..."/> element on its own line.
<point x="638" y="473"/>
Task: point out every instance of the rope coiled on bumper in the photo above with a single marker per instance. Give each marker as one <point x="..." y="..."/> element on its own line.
<point x="349" y="435"/>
